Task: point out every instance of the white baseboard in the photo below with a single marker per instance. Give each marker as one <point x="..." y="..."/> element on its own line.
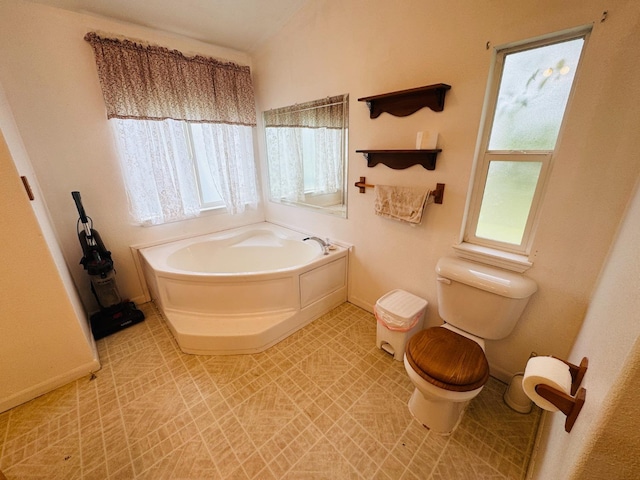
<point x="501" y="374"/>
<point x="360" y="303"/>
<point x="48" y="385"/>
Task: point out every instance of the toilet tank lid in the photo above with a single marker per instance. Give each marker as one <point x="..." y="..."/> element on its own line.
<point x="492" y="279"/>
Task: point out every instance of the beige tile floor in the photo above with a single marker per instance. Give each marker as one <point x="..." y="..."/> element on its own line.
<point x="323" y="404"/>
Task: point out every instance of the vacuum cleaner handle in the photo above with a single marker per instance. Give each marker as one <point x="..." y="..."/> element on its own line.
<point x="78" y="200"/>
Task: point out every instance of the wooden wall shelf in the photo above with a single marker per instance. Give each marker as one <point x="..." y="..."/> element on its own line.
<point x="401" y="159"/>
<point x="406" y="102"/>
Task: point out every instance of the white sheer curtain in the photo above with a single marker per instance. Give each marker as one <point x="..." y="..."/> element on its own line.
<point x="157" y="170"/>
<point x="228" y="151"/>
<point x="286" y="176"/>
<point x="327" y="164"/>
<point x="159" y="173"/>
<point x="309" y="161"/>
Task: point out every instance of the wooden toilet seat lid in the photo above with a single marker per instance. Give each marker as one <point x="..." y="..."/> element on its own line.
<point x="447" y="359"/>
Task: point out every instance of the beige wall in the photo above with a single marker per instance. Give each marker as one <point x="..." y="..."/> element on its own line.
<point x="370" y="47"/>
<point x="49" y="76"/>
<point x="605" y="441"/>
<point x="44" y="342"/>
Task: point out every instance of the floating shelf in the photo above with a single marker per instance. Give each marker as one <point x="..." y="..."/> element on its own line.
<point x="401" y="159"/>
<point x="406" y="102"/>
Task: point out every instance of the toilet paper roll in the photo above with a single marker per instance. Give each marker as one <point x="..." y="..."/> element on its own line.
<point x="547" y="371"/>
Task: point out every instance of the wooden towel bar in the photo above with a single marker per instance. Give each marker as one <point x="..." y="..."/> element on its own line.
<point x="438" y="193"/>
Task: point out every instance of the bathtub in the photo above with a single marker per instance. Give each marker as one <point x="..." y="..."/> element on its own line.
<point x="242" y="290"/>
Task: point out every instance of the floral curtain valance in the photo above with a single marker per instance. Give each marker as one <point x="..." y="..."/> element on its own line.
<point x="155" y="83"/>
<point x="325" y="113"/>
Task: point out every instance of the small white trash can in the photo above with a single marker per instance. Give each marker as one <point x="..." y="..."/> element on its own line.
<point x="400" y="315"/>
<point x="515" y="397"/>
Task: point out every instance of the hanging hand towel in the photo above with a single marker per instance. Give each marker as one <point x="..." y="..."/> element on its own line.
<point x="401" y="203"/>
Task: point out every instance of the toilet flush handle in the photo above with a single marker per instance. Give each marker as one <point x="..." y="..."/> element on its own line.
<point x="446" y="281"/>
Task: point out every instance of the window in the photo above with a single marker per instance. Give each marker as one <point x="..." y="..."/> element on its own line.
<point x="531" y="84"/>
<point x="224" y="164"/>
<point x="184" y="128"/>
<point x="174" y="169"/>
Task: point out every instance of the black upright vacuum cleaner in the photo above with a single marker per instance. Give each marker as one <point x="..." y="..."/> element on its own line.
<point x="115" y="314"/>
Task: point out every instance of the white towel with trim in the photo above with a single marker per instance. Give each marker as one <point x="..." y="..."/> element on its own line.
<point x="401" y="203"/>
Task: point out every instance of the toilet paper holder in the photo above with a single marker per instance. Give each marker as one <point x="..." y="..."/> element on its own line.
<point x="569" y="405"/>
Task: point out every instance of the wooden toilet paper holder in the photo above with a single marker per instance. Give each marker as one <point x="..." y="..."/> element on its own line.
<point x="569" y="405"/>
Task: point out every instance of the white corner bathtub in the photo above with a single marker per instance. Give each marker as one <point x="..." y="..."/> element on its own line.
<point x="243" y="290"/>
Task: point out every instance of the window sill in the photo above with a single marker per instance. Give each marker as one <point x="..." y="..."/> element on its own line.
<point x="213" y="209"/>
<point x="491" y="256"/>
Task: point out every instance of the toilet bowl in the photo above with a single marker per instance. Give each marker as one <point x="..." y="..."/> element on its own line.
<point x="447" y="364"/>
<point x="448" y="369"/>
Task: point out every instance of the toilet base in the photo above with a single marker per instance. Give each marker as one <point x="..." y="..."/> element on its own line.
<point x="438" y="416"/>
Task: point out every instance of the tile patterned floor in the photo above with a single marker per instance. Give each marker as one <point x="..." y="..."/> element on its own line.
<point x="323" y="404"/>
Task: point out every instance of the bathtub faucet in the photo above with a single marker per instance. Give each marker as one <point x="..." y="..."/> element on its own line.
<point x="323" y="244"/>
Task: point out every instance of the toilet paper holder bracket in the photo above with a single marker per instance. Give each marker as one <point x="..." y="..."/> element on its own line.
<point x="577" y="372"/>
<point x="569" y="405"/>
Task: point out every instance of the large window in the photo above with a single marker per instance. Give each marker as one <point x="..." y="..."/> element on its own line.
<point x="531" y="85"/>
<point x="184" y="128"/>
<point x="175" y="169"/>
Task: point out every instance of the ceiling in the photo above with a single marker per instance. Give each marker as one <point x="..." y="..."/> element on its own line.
<point x="237" y="24"/>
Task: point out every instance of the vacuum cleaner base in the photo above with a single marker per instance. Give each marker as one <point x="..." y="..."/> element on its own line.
<point x="114" y="319"/>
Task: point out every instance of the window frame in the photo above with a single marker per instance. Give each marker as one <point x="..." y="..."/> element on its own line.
<point x="483" y="157"/>
<point x="544" y="158"/>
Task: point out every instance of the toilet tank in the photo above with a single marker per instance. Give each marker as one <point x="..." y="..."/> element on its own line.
<point x="482" y="300"/>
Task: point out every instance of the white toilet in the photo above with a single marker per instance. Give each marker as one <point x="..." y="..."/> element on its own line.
<point x="447" y="363"/>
